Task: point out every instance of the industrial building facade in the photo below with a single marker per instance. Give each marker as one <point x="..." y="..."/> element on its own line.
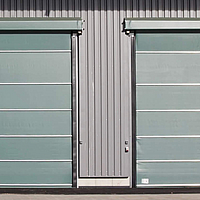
<point x="99" y="93"/>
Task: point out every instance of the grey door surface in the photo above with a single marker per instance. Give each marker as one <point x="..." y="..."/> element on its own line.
<point x="35" y="110"/>
<point x="168" y="109"/>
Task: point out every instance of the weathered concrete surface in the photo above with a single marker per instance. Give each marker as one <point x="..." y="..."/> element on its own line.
<point x="101" y="197"/>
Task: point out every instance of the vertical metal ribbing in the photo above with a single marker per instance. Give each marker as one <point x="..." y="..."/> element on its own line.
<point x="71" y="8"/>
<point x="173" y="5"/>
<point x="63" y="8"/>
<point x="57" y="8"/>
<point x="51" y="9"/>
<point x="91" y="85"/>
<point x="133" y="83"/>
<point x="161" y="9"/>
<point x="167" y="8"/>
<point x="32" y="8"/>
<point x="193" y="8"/>
<point x="84" y="97"/>
<point x="198" y="9"/>
<point x="142" y="9"/>
<point x="97" y="88"/>
<point x="128" y="8"/>
<point x="110" y="86"/>
<point x="25" y="8"/>
<point x="117" y="91"/>
<point x="77" y="5"/>
<point x="180" y="8"/>
<point x="135" y="8"/>
<point x="154" y="6"/>
<point x="186" y="9"/>
<point x="1" y="8"/>
<point x="148" y="8"/>
<point x="38" y="8"/>
<point x="6" y="8"/>
<point x="104" y="81"/>
<point x="74" y="108"/>
<point x="124" y="95"/>
<point x="18" y="8"/>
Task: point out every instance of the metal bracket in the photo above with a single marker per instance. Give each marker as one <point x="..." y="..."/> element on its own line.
<point x="130" y="33"/>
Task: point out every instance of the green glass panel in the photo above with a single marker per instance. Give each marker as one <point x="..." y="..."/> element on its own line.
<point x="35" y="96"/>
<point x="35" y="123"/>
<point x="35" y="148"/>
<point x="169" y="173"/>
<point x="168" y="42"/>
<point x="168" y="148"/>
<point x="168" y="123"/>
<point x="168" y="68"/>
<point x="35" y="67"/>
<point x="168" y="97"/>
<point x="35" y="173"/>
<point x="35" y="42"/>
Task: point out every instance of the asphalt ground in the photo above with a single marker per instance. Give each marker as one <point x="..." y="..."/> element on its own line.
<point x="101" y="197"/>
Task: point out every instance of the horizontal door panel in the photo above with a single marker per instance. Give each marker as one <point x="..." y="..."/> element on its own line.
<point x="35" y="173"/>
<point x="168" y="173"/>
<point x="35" y="148"/>
<point x="168" y="148"/>
<point x="168" y="42"/>
<point x="35" y="96"/>
<point x="35" y="123"/>
<point x="168" y="97"/>
<point x="35" y="42"/>
<point x="168" y="68"/>
<point x="35" y="67"/>
<point x="168" y="123"/>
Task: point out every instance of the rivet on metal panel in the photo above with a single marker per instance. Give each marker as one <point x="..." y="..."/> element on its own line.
<point x="126" y="142"/>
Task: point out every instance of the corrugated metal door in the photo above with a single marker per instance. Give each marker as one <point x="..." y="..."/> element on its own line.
<point x="35" y="110"/>
<point x="167" y="101"/>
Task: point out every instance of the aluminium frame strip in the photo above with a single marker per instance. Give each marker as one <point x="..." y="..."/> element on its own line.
<point x="167" y="52"/>
<point x="168" y="84"/>
<point x="35" y="51"/>
<point x="169" y="136"/>
<point x="168" y="185"/>
<point x="166" y="161"/>
<point x="39" y="184"/>
<point x="37" y="109"/>
<point x="36" y="83"/>
<point x="47" y="24"/>
<point x="158" y="24"/>
<point x="172" y="110"/>
<point x="36" y="160"/>
<point x="35" y="136"/>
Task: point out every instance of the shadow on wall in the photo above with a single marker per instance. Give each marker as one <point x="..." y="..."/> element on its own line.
<point x="59" y="8"/>
<point x="74" y="8"/>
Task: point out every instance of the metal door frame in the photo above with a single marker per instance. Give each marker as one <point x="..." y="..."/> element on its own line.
<point x="75" y="110"/>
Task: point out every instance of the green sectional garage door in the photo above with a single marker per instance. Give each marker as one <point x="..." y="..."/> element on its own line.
<point x="168" y="109"/>
<point x="35" y="110"/>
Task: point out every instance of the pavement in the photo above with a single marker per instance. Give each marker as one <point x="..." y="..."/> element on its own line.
<point x="100" y="197"/>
